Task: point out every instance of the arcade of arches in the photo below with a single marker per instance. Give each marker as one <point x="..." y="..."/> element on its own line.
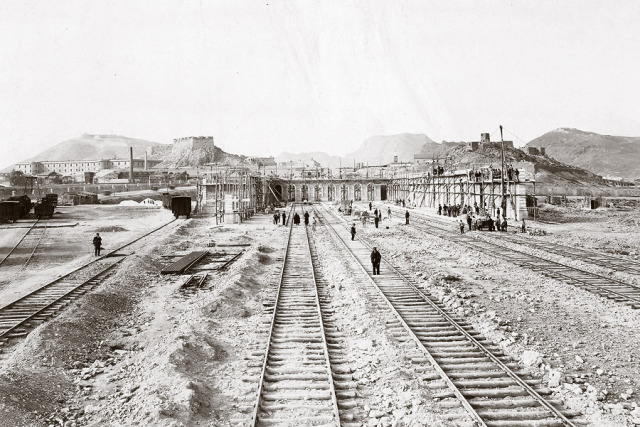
<point x="326" y="190"/>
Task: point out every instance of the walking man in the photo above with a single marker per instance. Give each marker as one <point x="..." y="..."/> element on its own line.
<point x="353" y="231"/>
<point x="406" y="217"/>
<point x="306" y="218"/>
<point x="375" y="261"/>
<point x="97" y="242"/>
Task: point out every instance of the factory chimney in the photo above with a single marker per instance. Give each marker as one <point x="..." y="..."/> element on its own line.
<point x="131" y="164"/>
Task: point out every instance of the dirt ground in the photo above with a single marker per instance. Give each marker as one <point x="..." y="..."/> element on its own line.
<point x="143" y="350"/>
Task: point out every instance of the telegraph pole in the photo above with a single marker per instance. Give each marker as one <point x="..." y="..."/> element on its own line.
<point x="502" y="189"/>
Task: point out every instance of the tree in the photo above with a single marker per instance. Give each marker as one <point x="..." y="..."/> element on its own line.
<point x="17" y="178"/>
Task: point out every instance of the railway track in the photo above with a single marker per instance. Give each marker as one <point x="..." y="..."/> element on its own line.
<point x="23" y="314"/>
<point x="601" y="260"/>
<point x="598" y="284"/>
<point x="491" y="387"/>
<point x="17" y="259"/>
<point x="296" y="382"/>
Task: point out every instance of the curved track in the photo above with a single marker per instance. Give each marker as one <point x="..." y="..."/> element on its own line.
<point x="17" y="259"/>
<point x="296" y="383"/>
<point x="487" y="382"/>
<point x="604" y="286"/>
<point x="21" y="315"/>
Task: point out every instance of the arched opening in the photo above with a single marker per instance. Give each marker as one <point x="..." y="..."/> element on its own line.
<point x="292" y="193"/>
<point x="370" y="192"/>
<point x="331" y="193"/>
<point x="344" y="192"/>
<point x="357" y="192"/>
<point x="305" y="192"/>
<point x="318" y="193"/>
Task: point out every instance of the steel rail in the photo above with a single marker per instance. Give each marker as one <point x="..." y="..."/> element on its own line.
<point x="334" y="399"/>
<point x="256" y="409"/>
<point x="64" y="276"/>
<point x="19" y="241"/>
<point x="475" y="243"/>
<point x="465" y="403"/>
<point x="554" y="412"/>
<point x="5" y="333"/>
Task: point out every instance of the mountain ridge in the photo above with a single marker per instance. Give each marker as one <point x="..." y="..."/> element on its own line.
<point x="606" y="155"/>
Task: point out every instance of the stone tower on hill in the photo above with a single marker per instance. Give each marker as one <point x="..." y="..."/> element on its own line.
<point x="193" y="143"/>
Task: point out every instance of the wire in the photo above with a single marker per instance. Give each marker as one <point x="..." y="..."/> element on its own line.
<point x="514" y="135"/>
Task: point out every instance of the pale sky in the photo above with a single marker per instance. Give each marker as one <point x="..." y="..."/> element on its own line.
<point x="267" y="76"/>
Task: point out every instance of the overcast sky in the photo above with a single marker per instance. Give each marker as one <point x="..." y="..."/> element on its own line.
<point x="267" y="76"/>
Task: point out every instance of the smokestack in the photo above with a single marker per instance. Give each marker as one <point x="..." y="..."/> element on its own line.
<point x="131" y="164"/>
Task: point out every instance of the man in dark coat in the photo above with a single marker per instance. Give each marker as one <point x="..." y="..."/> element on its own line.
<point x="370" y="205"/>
<point x="353" y="231"/>
<point x="306" y="218"/>
<point x="406" y="217"/>
<point x="375" y="261"/>
<point x="469" y="219"/>
<point x="284" y="218"/>
<point x="439" y="209"/>
<point x="376" y="220"/>
<point x="296" y="219"/>
<point x="97" y="242"/>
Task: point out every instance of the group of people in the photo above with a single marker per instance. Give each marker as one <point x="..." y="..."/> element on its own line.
<point x="296" y="219"/>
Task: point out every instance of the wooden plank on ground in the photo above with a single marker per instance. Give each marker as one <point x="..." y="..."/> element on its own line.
<point x="184" y="263"/>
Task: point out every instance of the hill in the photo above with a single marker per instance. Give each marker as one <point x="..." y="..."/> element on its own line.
<point x="601" y="154"/>
<point x="376" y="150"/>
<point x="381" y="149"/>
<point x="89" y="147"/>
<point x="324" y="159"/>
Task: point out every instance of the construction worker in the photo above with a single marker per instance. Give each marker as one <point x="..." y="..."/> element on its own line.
<point x="353" y="231"/>
<point x="97" y="243"/>
<point x="375" y="261"/>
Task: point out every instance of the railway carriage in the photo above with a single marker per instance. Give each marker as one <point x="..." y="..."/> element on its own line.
<point x="9" y="211"/>
<point x="44" y="208"/>
<point x="181" y="205"/>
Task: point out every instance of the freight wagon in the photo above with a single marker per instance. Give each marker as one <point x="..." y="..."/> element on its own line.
<point x="9" y="211"/>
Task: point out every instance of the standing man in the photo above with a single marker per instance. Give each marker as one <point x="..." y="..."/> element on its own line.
<point x="406" y="217"/>
<point x="375" y="261"/>
<point x="469" y="220"/>
<point x="370" y="205"/>
<point x="296" y="219"/>
<point x="461" y="225"/>
<point x="313" y="223"/>
<point x="388" y="213"/>
<point x="376" y="219"/>
<point x="439" y="209"/>
<point x="97" y="243"/>
<point x="524" y="227"/>
<point x="353" y="231"/>
<point x="284" y="218"/>
<point x="306" y="218"/>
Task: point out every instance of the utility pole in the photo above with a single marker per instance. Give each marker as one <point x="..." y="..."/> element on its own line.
<point x="502" y="189"/>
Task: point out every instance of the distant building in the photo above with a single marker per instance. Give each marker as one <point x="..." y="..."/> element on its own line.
<point x="193" y="143"/>
<point x="485" y="142"/>
<point x="67" y="167"/>
<point x="536" y="151"/>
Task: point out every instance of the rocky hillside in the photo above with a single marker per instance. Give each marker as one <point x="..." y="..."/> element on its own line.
<point x="601" y="154"/>
<point x="198" y="157"/>
<point x="89" y="147"/>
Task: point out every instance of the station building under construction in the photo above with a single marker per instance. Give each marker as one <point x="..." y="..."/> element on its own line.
<point x="232" y="193"/>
